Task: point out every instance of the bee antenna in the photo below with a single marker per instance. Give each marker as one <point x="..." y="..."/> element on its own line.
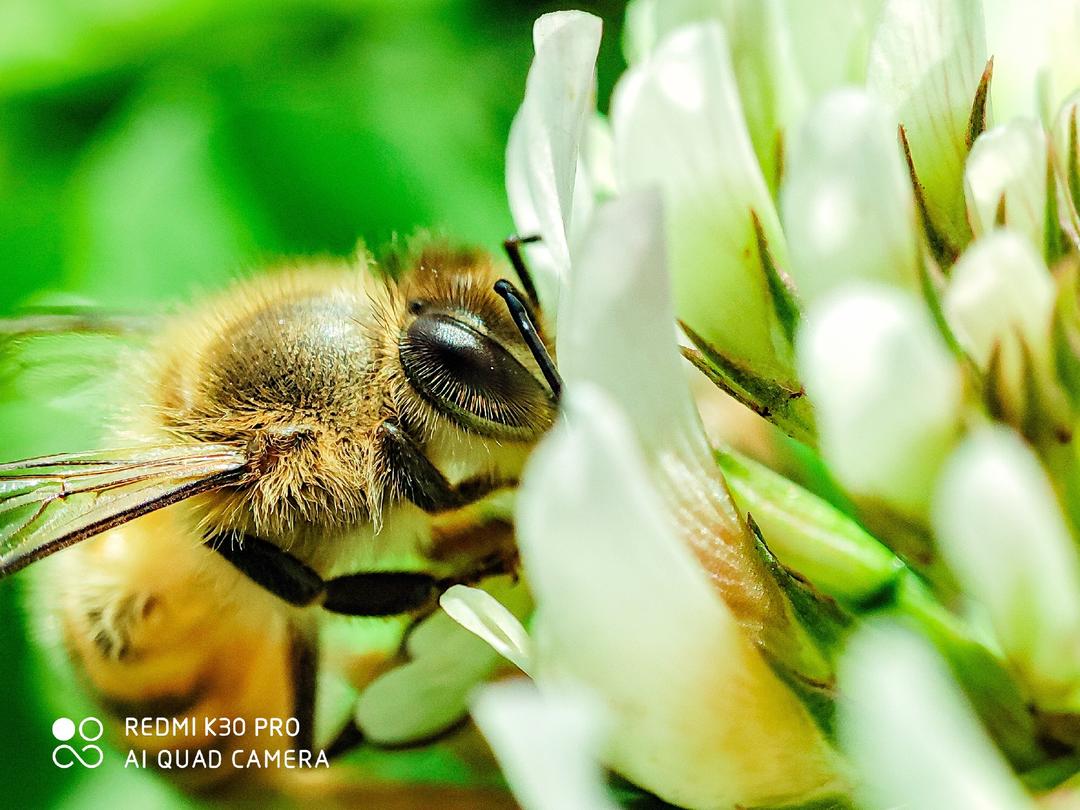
<point x="520" y="314"/>
<point x="512" y="246"/>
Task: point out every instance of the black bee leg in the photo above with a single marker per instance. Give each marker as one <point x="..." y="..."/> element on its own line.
<point x="377" y="593"/>
<point x="383" y="593"/>
<point x="269" y="566"/>
<point x="420" y="481"/>
<point x="391" y="593"/>
<point x="512" y="246"/>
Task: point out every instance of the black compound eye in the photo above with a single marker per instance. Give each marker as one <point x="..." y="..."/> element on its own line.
<point x="472" y="378"/>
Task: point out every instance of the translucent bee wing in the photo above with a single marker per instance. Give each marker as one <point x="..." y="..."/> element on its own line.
<point x="63" y="355"/>
<point x="52" y="502"/>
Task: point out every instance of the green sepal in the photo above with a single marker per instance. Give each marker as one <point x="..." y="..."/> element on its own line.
<point x="809" y="535"/>
<point x="781" y="289"/>
<point x="1065" y="334"/>
<point x="943" y="251"/>
<point x="782" y="403"/>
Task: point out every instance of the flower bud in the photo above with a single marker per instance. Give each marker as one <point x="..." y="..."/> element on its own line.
<point x="679" y="125"/>
<point x="911" y="735"/>
<point x="1005" y="179"/>
<point x="1001" y="530"/>
<point x="999" y="304"/>
<point x="886" y="391"/>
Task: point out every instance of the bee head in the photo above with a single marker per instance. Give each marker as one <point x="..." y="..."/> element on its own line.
<point x="463" y="353"/>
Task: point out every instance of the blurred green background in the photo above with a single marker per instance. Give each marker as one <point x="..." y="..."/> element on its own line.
<point x="152" y="149"/>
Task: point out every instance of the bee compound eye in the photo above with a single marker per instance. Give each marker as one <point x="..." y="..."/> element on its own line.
<point x="472" y="377"/>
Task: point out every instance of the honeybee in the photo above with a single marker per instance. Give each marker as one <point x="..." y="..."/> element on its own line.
<point x="283" y="441"/>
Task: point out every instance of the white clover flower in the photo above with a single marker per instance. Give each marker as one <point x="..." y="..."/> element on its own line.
<point x="862" y="256"/>
<point x="998" y="302"/>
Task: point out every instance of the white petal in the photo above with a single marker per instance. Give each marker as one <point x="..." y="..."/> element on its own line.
<point x="848" y="208"/>
<point x="545" y="138"/>
<point x="1001" y="292"/>
<point x="699" y="718"/>
<point x="429" y="693"/>
<point x="912" y="736"/>
<point x="1009" y="162"/>
<point x="485" y="616"/>
<point x="547" y="743"/>
<point x="616" y="332"/>
<point x="1001" y="529"/>
<point x="886" y="392"/>
<point x="1036" y="61"/>
<point x="764" y="63"/>
<point x="926" y="61"/>
<point x="679" y="124"/>
<point x="617" y="328"/>
<point x="595" y="174"/>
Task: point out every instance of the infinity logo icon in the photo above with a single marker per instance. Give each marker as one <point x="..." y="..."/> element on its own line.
<point x="90" y="730"/>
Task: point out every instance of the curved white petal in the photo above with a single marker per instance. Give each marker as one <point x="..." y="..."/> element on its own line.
<point x="769" y="83"/>
<point x="926" y="61"/>
<point x="429" y="693"/>
<point x="1001" y="295"/>
<point x="485" y="616"/>
<point x="547" y="742"/>
<point x="679" y="125"/>
<point x="913" y="738"/>
<point x="886" y="392"/>
<point x="848" y="208"/>
<point x="545" y="139"/>
<point x="1000" y="528"/>
<point x="617" y="332"/>
<point x="698" y="716"/>
<point x="1007" y="166"/>
<point x="617" y="327"/>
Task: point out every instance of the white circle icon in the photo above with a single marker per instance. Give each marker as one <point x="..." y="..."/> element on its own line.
<point x="88" y="736"/>
<point x="63" y="729"/>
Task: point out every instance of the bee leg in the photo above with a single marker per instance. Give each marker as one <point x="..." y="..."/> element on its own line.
<point x="378" y="593"/>
<point x="269" y="567"/>
<point x="420" y="481"/>
<point x="383" y="593"/>
<point x="390" y="593"/>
